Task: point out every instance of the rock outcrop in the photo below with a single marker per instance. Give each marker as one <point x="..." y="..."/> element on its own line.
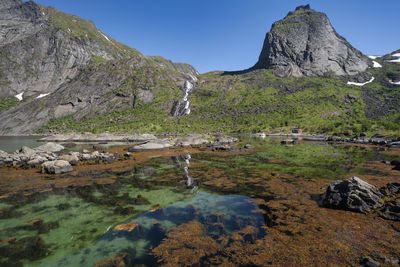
<point x="304" y="43"/>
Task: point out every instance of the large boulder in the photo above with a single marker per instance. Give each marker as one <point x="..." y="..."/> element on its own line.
<point x="57" y="166"/>
<point x="353" y="194"/>
<point x="50" y="147"/>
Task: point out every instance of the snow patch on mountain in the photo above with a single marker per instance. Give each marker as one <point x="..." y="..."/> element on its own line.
<point x="361" y="84"/>
<point x="376" y="64"/>
<point x="42" y="95"/>
<point x="19" y="96"/>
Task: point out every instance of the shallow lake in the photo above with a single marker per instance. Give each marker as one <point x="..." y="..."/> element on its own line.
<point x="192" y="208"/>
<point x="12" y="143"/>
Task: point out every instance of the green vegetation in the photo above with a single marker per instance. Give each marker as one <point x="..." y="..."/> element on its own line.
<point x="8" y="103"/>
<point x="246" y="103"/>
<point x="97" y="60"/>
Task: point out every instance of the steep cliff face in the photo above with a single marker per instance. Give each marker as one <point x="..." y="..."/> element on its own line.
<point x="61" y="65"/>
<point x="41" y="48"/>
<point x="304" y="43"/>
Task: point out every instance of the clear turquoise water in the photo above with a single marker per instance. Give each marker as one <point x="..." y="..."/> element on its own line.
<point x="78" y="226"/>
<point x="237" y="212"/>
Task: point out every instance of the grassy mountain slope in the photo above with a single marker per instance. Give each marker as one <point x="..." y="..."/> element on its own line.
<point x="260" y="101"/>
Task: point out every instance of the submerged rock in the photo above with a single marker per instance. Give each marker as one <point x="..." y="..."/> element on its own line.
<point x="127" y="227"/>
<point x="353" y="194"/>
<point x="57" y="166"/>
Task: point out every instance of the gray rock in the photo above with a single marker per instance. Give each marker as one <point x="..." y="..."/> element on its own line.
<point x="72" y="159"/>
<point x="49" y="147"/>
<point x="57" y="166"/>
<point x="37" y="161"/>
<point x="86" y="157"/>
<point x="304" y="43"/>
<point x="353" y="194"/>
<point x="26" y="150"/>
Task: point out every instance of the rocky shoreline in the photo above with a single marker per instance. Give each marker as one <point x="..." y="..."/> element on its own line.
<point x="50" y="157"/>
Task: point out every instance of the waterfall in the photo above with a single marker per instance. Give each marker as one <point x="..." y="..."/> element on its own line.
<point x="182" y="106"/>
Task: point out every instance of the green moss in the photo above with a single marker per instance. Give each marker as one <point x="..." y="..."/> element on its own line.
<point x="8" y="103"/>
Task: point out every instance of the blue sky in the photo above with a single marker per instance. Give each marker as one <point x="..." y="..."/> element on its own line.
<point x="228" y="34"/>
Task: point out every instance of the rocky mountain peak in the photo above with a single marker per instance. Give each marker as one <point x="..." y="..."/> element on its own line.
<point x="305" y="7"/>
<point x="302" y="8"/>
<point x="304" y="43"/>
